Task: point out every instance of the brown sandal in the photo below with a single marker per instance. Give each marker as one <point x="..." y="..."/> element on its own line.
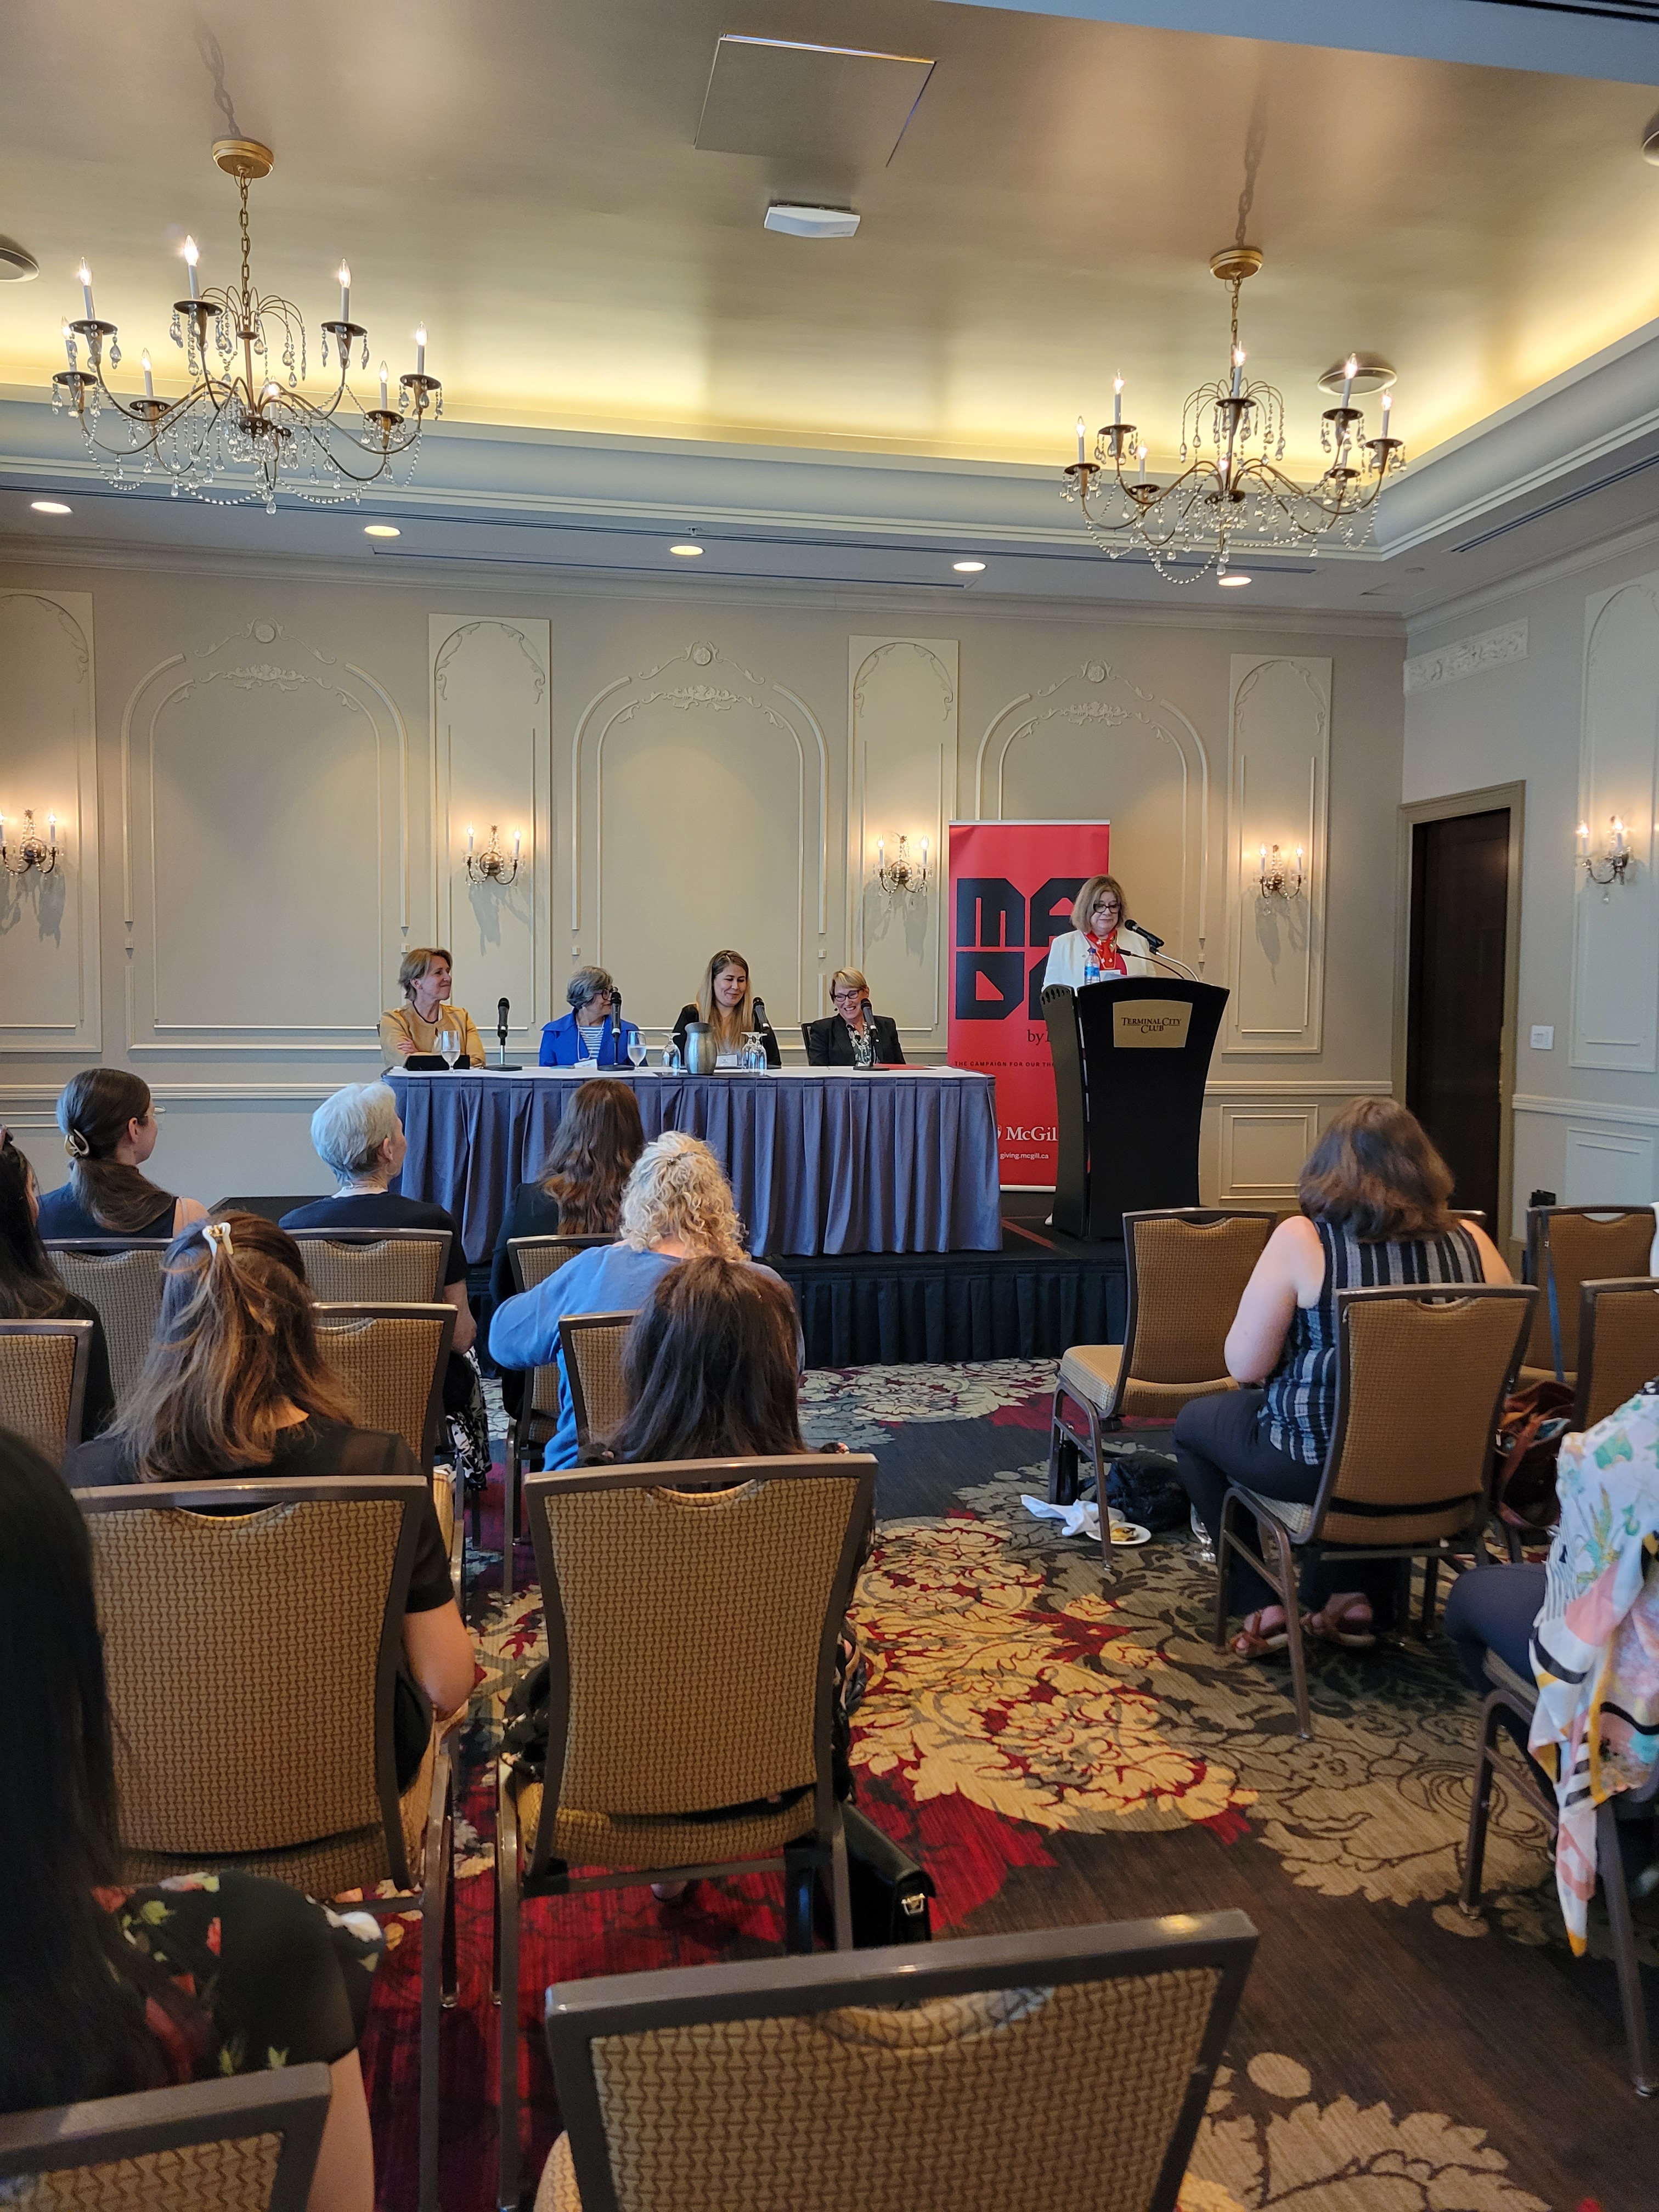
<point x="1254" y="1641"/>
<point x="1334" y="1629"/>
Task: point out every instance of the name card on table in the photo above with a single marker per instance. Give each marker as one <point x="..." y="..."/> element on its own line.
<point x="1151" y="1024"/>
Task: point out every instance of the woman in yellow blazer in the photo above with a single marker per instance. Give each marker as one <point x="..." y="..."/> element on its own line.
<point x="424" y="980"/>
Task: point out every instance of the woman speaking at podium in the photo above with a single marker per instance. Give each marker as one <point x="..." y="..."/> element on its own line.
<point x="1098" y="946"/>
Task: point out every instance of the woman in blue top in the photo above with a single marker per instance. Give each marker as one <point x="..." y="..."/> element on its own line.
<point x="678" y="1205"/>
<point x="1373" y="1195"/>
<point x="589" y="1031"/>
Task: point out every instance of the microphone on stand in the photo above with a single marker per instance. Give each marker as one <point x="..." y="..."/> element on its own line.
<point x="869" y="1013"/>
<point x="617" y="1054"/>
<point x="500" y="1036"/>
<point x="1154" y="942"/>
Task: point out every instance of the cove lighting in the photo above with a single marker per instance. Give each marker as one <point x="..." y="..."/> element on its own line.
<point x="381" y="530"/>
<point x="968" y="567"/>
<point x="1231" y="583"/>
<point x="49" y="507"/>
<point x="687" y="552"/>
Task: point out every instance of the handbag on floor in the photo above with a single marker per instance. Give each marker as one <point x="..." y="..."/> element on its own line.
<point x="890" y="1891"/>
<point x="1529" y="1432"/>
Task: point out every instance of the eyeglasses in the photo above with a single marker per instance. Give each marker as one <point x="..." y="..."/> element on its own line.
<point x="848" y="998"/>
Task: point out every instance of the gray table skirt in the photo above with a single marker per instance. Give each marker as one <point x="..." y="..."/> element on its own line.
<point x="823" y="1161"/>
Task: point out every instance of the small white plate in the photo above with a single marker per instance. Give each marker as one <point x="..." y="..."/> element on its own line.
<point x="1126" y="1535"/>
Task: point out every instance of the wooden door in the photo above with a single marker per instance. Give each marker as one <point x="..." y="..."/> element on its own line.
<point x="1454" y="1004"/>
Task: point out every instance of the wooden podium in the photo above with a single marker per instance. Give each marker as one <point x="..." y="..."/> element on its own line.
<point x="1131" y="1060"/>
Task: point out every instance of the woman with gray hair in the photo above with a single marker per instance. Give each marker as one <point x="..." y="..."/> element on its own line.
<point x="358" y="1138"/>
<point x="678" y="1205"/>
<point x="592" y="1033"/>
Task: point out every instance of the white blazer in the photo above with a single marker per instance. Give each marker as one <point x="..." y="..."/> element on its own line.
<point x="1068" y="957"/>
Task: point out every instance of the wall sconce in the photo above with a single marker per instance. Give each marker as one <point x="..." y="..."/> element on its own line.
<point x="492" y="864"/>
<point x="902" y="876"/>
<point x="32" y="850"/>
<point x="1608" y="866"/>
<point x="1276" y="878"/>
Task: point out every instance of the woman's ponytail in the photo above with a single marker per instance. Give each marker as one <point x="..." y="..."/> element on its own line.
<point x="94" y="1109"/>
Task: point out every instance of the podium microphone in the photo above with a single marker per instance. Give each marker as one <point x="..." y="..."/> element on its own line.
<point x="500" y="1034"/>
<point x="1154" y="942"/>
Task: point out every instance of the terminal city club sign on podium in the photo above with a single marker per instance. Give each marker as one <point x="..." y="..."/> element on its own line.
<point x="1012" y="884"/>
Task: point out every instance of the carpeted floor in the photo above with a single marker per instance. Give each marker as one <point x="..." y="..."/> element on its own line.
<point x="1056" y="1752"/>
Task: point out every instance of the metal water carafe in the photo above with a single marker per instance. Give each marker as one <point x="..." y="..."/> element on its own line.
<point x="701" y="1048"/>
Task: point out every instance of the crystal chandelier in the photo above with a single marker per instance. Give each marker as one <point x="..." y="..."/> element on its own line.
<point x="1229" y="486"/>
<point x="239" y="421"/>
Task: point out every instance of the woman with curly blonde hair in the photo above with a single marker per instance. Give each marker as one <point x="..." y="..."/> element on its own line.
<point x="678" y="1205"/>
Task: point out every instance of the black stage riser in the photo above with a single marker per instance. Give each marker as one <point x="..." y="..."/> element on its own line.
<point x="906" y="1310"/>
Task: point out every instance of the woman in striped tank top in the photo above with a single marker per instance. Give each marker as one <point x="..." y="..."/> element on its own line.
<point x="1373" y="1194"/>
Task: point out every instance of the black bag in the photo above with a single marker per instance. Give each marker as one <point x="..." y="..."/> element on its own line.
<point x="890" y="1891"/>
<point x="1143" y="1486"/>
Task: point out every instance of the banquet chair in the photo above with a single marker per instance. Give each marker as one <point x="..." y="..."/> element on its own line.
<point x="1618" y="1344"/>
<point x="1187" y="1268"/>
<point x="43" y="1382"/>
<point x="247" y="2144"/>
<point x="965" y="2077"/>
<point x="1568" y="1246"/>
<point x="1513" y="1698"/>
<point x="284" y="1606"/>
<point x="392" y="1359"/>
<point x="268" y="1209"/>
<point x="692" y="1639"/>
<point x="380" y="1266"/>
<point x="120" y="1279"/>
<point x="592" y="1347"/>
<point x="1422" y="1372"/>
<point x="532" y="1259"/>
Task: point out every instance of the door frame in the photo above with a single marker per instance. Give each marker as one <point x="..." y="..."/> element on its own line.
<point x="1451" y="808"/>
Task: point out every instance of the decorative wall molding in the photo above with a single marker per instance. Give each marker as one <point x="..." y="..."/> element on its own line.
<point x="1279" y="760"/>
<point x="1467" y="656"/>
<point x="370" y="834"/>
<point x="1583" y="1110"/>
<point x="1615" y="969"/>
<point x="1262" y="1146"/>
<point x="1598" y="1163"/>
<point x="1098" y="698"/>
<point x="901" y="776"/>
<point x="52" y="997"/>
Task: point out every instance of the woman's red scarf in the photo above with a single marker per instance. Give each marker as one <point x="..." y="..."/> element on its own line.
<point x="1107" y="958"/>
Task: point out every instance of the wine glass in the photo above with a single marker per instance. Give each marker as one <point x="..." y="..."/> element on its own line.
<point x="673" y="1060"/>
<point x="637" y="1049"/>
<point x="447" y="1045"/>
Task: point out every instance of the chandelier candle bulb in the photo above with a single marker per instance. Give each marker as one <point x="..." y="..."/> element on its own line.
<point x="68" y="344"/>
<point x="1238" y="367"/>
<point x="149" y="383"/>
<point x="1584" y="840"/>
<point x="85" y="276"/>
<point x="420" y="350"/>
<point x="193" y="255"/>
<point x="469" y="840"/>
<point x="1618" y="834"/>
<point x="383" y="408"/>
<point x="1141" y="454"/>
<point x="345" y="293"/>
<point x="1117" y="401"/>
<point x="515" y="848"/>
<point x="1080" y="429"/>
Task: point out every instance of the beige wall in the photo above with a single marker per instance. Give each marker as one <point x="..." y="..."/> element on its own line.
<point x="268" y="778"/>
<point x="1556" y="685"/>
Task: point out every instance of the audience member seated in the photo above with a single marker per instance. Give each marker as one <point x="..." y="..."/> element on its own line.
<point x="594" y="1147"/>
<point x="1374" y="1196"/>
<point x="678" y="1205"/>
<point x="30" y="1290"/>
<point x="423" y="977"/>
<point x="235" y="1385"/>
<point x="109" y="1990"/>
<point x="108" y="1121"/>
<point x="357" y="1136"/>
<point x="590" y="1034"/>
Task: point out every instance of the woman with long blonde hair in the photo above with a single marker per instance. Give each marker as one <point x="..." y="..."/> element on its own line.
<point x="727" y="1001"/>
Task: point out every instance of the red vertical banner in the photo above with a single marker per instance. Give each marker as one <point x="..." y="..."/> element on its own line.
<point x="1012" y="888"/>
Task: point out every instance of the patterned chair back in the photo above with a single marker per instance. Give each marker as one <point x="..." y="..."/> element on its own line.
<point x="375" y="1267"/>
<point x="1617" y="1345"/>
<point x="392" y="1359"/>
<point x="532" y="1259"/>
<point x="968" y="2074"/>
<point x="1187" y="1268"/>
<point x="1569" y="1246"/>
<point x="593" y="1346"/>
<point x="43" y="1382"/>
<point x="121" y="1281"/>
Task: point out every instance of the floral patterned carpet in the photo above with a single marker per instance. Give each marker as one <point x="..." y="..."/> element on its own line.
<point x="1057" y="1752"/>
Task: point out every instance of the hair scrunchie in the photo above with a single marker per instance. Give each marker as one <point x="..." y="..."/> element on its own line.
<point x="217" y="1234"/>
<point x="76" y="1145"/>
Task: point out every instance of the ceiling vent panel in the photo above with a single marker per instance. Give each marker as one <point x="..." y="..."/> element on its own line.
<point x="839" y="105"/>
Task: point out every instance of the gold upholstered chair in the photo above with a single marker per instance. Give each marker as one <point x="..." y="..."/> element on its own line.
<point x="375" y="1267"/>
<point x="593" y="1348"/>
<point x="392" y="1359"/>
<point x="1568" y="1246"/>
<point x="248" y="2144"/>
<point x="1617" y="1345"/>
<point x="962" y="2076"/>
<point x="1420" y="1377"/>
<point x="43" y="1382"/>
<point x="120" y="1279"/>
<point x="266" y="1738"/>
<point x="691" y="1654"/>
<point x="532" y="1259"/>
<point x="1187" y="1268"/>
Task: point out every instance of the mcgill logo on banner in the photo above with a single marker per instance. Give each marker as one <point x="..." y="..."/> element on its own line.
<point x="1012" y="885"/>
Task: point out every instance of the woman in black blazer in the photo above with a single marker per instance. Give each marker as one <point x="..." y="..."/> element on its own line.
<point x="726" y="1002"/>
<point x="851" y="1037"/>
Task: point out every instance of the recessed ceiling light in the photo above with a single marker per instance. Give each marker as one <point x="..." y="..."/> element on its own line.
<point x="50" y="507"/>
<point x="687" y="552"/>
<point x="811" y="221"/>
<point x="381" y="530"/>
<point x="17" y="264"/>
<point x="968" y="567"/>
<point x="1231" y="583"/>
